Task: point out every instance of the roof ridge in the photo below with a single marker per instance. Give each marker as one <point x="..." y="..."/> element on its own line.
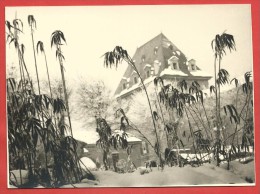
<point x="161" y="34"/>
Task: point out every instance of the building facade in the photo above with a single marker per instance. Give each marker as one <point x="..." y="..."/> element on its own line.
<point x="138" y="155"/>
<point x="159" y="57"/>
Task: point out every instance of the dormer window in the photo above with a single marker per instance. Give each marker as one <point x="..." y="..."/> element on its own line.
<point x="173" y="62"/>
<point x="192" y="65"/>
<point x="147" y="70"/>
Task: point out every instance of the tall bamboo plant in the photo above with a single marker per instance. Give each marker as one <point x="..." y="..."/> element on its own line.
<point x="57" y="38"/>
<point x="114" y="58"/>
<point x="32" y="24"/>
<point x="40" y="47"/>
<point x="219" y="45"/>
<point x="27" y="133"/>
<point x="185" y="104"/>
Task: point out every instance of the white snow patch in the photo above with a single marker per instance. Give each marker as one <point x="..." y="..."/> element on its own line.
<point x="200" y="73"/>
<point x="149" y="79"/>
<point x="87" y="163"/>
<point x="134" y="72"/>
<point x="132" y="139"/>
<point x="170" y="71"/>
<point x="147" y="65"/>
<point x="194" y="157"/>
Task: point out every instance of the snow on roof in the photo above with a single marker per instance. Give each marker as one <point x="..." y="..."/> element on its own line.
<point x="170" y="71"/>
<point x="147" y="65"/>
<point x="134" y="72"/>
<point x="149" y="79"/>
<point x="200" y="73"/>
<point x="173" y="57"/>
<point x="91" y="136"/>
<point x="135" y="86"/>
<point x="178" y="52"/>
<point x="133" y="139"/>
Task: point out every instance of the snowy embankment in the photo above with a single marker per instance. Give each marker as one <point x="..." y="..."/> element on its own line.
<point x="207" y="174"/>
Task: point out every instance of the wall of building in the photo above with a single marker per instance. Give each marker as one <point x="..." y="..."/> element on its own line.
<point x="136" y="156"/>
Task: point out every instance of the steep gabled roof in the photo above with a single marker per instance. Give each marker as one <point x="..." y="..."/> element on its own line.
<point x="160" y="48"/>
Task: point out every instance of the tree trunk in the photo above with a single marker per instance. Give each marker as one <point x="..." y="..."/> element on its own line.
<point x="217" y="119"/>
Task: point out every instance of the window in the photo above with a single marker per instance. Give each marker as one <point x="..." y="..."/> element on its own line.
<point x="124" y="86"/>
<point x="174" y="65"/>
<point x="155" y="50"/>
<point x="135" y="80"/>
<point x="144" y="148"/>
<point x="193" y="67"/>
<point x="147" y="73"/>
<point x="143" y="58"/>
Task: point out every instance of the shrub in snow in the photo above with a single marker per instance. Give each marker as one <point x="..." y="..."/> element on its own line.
<point x="143" y="170"/>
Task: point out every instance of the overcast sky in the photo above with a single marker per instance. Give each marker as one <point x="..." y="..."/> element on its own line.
<point x="90" y="31"/>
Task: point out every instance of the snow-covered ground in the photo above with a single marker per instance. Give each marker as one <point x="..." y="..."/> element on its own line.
<point x="206" y="175"/>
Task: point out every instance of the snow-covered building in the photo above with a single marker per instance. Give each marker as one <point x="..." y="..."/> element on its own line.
<point x="160" y="57"/>
<point x="91" y="152"/>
